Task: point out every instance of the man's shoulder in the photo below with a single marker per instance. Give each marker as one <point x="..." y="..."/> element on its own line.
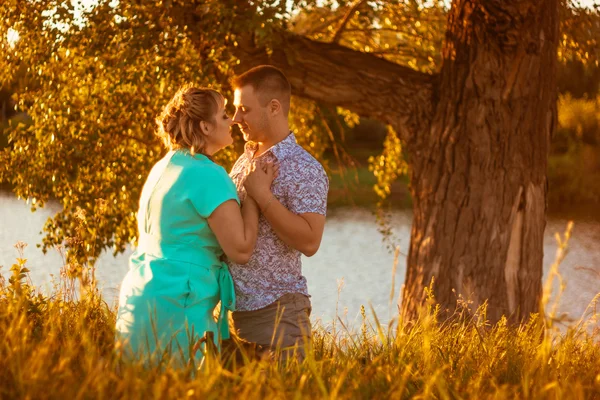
<point x="239" y="163"/>
<point x="300" y="158"/>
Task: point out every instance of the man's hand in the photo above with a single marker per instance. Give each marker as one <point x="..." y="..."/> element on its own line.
<point x="258" y="181"/>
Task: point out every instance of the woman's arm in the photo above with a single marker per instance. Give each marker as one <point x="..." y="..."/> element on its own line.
<point x="236" y="229"/>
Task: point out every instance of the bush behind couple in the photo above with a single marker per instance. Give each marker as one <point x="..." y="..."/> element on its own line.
<point x="262" y="216"/>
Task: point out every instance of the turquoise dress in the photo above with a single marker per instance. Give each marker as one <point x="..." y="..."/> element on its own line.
<point x="176" y="276"/>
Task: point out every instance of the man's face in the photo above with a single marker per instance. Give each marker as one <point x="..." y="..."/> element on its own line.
<point x="250" y="115"/>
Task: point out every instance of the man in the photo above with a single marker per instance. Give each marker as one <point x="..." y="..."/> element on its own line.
<point x="272" y="300"/>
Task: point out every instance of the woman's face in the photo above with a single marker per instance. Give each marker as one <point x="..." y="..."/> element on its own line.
<point x="220" y="136"/>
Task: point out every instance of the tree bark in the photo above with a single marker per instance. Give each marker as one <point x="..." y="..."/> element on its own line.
<point x="479" y="177"/>
<point x="478" y="137"/>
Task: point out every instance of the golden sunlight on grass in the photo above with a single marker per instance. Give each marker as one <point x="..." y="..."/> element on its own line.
<point x="61" y="346"/>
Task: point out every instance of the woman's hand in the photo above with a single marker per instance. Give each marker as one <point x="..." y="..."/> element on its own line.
<point x="258" y="182"/>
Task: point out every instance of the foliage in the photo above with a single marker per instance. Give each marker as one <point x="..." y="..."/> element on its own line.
<point x="579" y="118"/>
<point x="574" y="163"/>
<point x="388" y="166"/>
<point x="93" y="111"/>
<point x="55" y="346"/>
<point x="405" y="32"/>
<point x="580" y="31"/>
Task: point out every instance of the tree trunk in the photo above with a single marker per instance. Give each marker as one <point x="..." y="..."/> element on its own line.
<point x="478" y="178"/>
<point x="478" y="137"/>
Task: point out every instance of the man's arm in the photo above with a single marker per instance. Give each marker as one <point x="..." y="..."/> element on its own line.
<point x="301" y="226"/>
<point x="302" y="232"/>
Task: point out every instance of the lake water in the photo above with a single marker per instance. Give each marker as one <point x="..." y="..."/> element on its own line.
<point x="352" y="258"/>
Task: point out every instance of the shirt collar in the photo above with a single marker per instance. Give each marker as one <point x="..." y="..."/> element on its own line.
<point x="280" y="150"/>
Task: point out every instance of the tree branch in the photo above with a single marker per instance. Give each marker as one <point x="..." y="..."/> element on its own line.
<point x="347" y="17"/>
<point x="363" y="83"/>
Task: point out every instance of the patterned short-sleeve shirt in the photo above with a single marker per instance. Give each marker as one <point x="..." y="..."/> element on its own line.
<point x="275" y="269"/>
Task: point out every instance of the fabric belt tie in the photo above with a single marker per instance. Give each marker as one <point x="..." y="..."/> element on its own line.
<point x="227" y="296"/>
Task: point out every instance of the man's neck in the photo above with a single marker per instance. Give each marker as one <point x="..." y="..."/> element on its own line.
<point x="267" y="144"/>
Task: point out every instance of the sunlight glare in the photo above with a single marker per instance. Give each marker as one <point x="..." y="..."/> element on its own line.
<point x="12" y="36"/>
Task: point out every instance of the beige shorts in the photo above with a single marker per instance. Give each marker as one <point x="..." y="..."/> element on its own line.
<point x="282" y="326"/>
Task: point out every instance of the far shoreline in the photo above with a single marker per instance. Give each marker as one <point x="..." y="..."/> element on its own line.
<point x="401" y="201"/>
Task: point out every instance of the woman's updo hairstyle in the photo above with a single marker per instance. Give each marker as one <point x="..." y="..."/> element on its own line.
<point x="179" y="122"/>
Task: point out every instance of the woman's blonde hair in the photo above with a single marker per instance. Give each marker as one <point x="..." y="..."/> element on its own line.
<point x="179" y="122"/>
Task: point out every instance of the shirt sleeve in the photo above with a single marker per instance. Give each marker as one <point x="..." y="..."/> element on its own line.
<point x="309" y="192"/>
<point x="211" y="187"/>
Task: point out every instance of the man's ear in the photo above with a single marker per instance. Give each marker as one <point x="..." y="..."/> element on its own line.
<point x="275" y="107"/>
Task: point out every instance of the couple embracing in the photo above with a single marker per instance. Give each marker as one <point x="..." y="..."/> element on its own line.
<point x="192" y="215"/>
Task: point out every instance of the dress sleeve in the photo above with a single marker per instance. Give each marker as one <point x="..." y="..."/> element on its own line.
<point x="210" y="187"/>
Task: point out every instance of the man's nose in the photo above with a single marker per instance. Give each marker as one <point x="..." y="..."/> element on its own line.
<point x="237" y="118"/>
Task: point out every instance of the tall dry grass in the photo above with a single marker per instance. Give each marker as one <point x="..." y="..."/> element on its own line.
<point x="61" y="346"/>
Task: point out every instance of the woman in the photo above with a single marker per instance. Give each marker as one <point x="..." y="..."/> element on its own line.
<point x="189" y="215"/>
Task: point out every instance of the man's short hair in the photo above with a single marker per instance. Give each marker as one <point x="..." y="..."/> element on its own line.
<point x="268" y="83"/>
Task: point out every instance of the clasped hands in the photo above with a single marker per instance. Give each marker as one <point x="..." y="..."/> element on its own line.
<point x="258" y="181"/>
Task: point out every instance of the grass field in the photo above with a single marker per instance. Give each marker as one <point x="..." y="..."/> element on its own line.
<point x="61" y="346"/>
